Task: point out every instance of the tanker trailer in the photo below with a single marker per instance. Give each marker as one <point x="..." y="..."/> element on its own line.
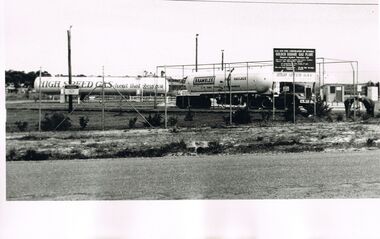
<point x="253" y="89"/>
<point x="126" y="85"/>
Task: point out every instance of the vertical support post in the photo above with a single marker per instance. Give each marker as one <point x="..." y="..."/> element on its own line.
<point x="196" y="52"/>
<point x="315" y="99"/>
<point x="69" y="62"/>
<point x="323" y="71"/>
<point x="294" y="95"/>
<point x="166" y="106"/>
<point x="222" y="59"/>
<point x="273" y="100"/>
<point x="103" y="99"/>
<point x="230" y="85"/>
<point x="39" y="104"/>
<point x="183" y="77"/>
<point x="354" y="86"/>
<point x="155" y="90"/>
<point x="247" y="87"/>
<point x="213" y="93"/>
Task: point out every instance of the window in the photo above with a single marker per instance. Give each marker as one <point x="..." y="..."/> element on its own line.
<point x="332" y="89"/>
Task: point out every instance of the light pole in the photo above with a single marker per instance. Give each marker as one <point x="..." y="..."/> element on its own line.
<point x="196" y="52"/>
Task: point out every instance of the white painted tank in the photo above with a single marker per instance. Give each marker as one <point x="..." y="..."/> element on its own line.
<point x="126" y="85"/>
<point x="258" y="82"/>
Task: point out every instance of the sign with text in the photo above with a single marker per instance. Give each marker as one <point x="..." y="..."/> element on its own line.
<point x="303" y="60"/>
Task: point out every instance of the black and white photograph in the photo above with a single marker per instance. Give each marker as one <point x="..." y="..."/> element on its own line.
<point x="191" y="102"/>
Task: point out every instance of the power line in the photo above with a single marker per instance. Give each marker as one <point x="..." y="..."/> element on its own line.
<point x="279" y="3"/>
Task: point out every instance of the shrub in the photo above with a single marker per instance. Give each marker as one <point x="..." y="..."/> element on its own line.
<point x="189" y="116"/>
<point x="21" y="125"/>
<point x="11" y="155"/>
<point x="32" y="155"/>
<point x="56" y="121"/>
<point x="154" y="121"/>
<point x="241" y="116"/>
<point x="322" y="108"/>
<point x="132" y="122"/>
<point x="370" y="142"/>
<point x="366" y="116"/>
<point x="172" y="121"/>
<point x="83" y="121"/>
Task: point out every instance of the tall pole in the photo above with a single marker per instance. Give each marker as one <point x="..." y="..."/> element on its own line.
<point x="294" y="95"/>
<point x="69" y="62"/>
<point x="103" y="98"/>
<point x="247" y="87"/>
<point x="155" y="90"/>
<point x="354" y="86"/>
<point x="222" y="59"/>
<point x="39" y="105"/>
<point x="166" y="106"/>
<point x="196" y="52"/>
<point x="273" y="101"/>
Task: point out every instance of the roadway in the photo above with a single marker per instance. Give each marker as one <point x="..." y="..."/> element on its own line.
<point x="262" y="176"/>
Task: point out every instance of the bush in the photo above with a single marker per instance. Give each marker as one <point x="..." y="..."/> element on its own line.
<point x="370" y="142"/>
<point x="51" y="122"/>
<point x="22" y="126"/>
<point x="339" y="118"/>
<point x="154" y="121"/>
<point x="132" y="122"/>
<point x="366" y="116"/>
<point x="83" y="121"/>
<point x="241" y="116"/>
<point x="11" y="155"/>
<point x="172" y="121"/>
<point x="189" y="116"/>
<point x="323" y="109"/>
<point x="32" y="155"/>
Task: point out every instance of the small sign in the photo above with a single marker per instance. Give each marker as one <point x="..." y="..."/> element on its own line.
<point x="302" y="59"/>
<point x="71" y="86"/>
<point x="204" y="80"/>
<point x="285" y="89"/>
<point x="71" y="91"/>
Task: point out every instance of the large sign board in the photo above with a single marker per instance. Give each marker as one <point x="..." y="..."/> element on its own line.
<point x="303" y="60"/>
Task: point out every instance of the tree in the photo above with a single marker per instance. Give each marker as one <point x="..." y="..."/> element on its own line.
<point x="20" y="77"/>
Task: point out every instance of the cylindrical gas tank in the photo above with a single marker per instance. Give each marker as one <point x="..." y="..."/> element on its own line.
<point x="257" y="82"/>
<point x="126" y="85"/>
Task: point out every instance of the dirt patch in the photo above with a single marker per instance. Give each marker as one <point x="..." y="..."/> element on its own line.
<point x="275" y="138"/>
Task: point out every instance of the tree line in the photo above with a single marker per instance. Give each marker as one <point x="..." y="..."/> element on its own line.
<point x="21" y="78"/>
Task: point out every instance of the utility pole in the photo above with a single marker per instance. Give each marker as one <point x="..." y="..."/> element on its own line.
<point x="166" y="106"/>
<point x="294" y="95"/>
<point x="103" y="99"/>
<point x="196" y="52"/>
<point x="39" y="105"/>
<point x="69" y="61"/>
<point x="222" y="59"/>
<point x="229" y="78"/>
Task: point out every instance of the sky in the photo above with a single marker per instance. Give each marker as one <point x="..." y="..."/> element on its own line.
<point x="128" y="37"/>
